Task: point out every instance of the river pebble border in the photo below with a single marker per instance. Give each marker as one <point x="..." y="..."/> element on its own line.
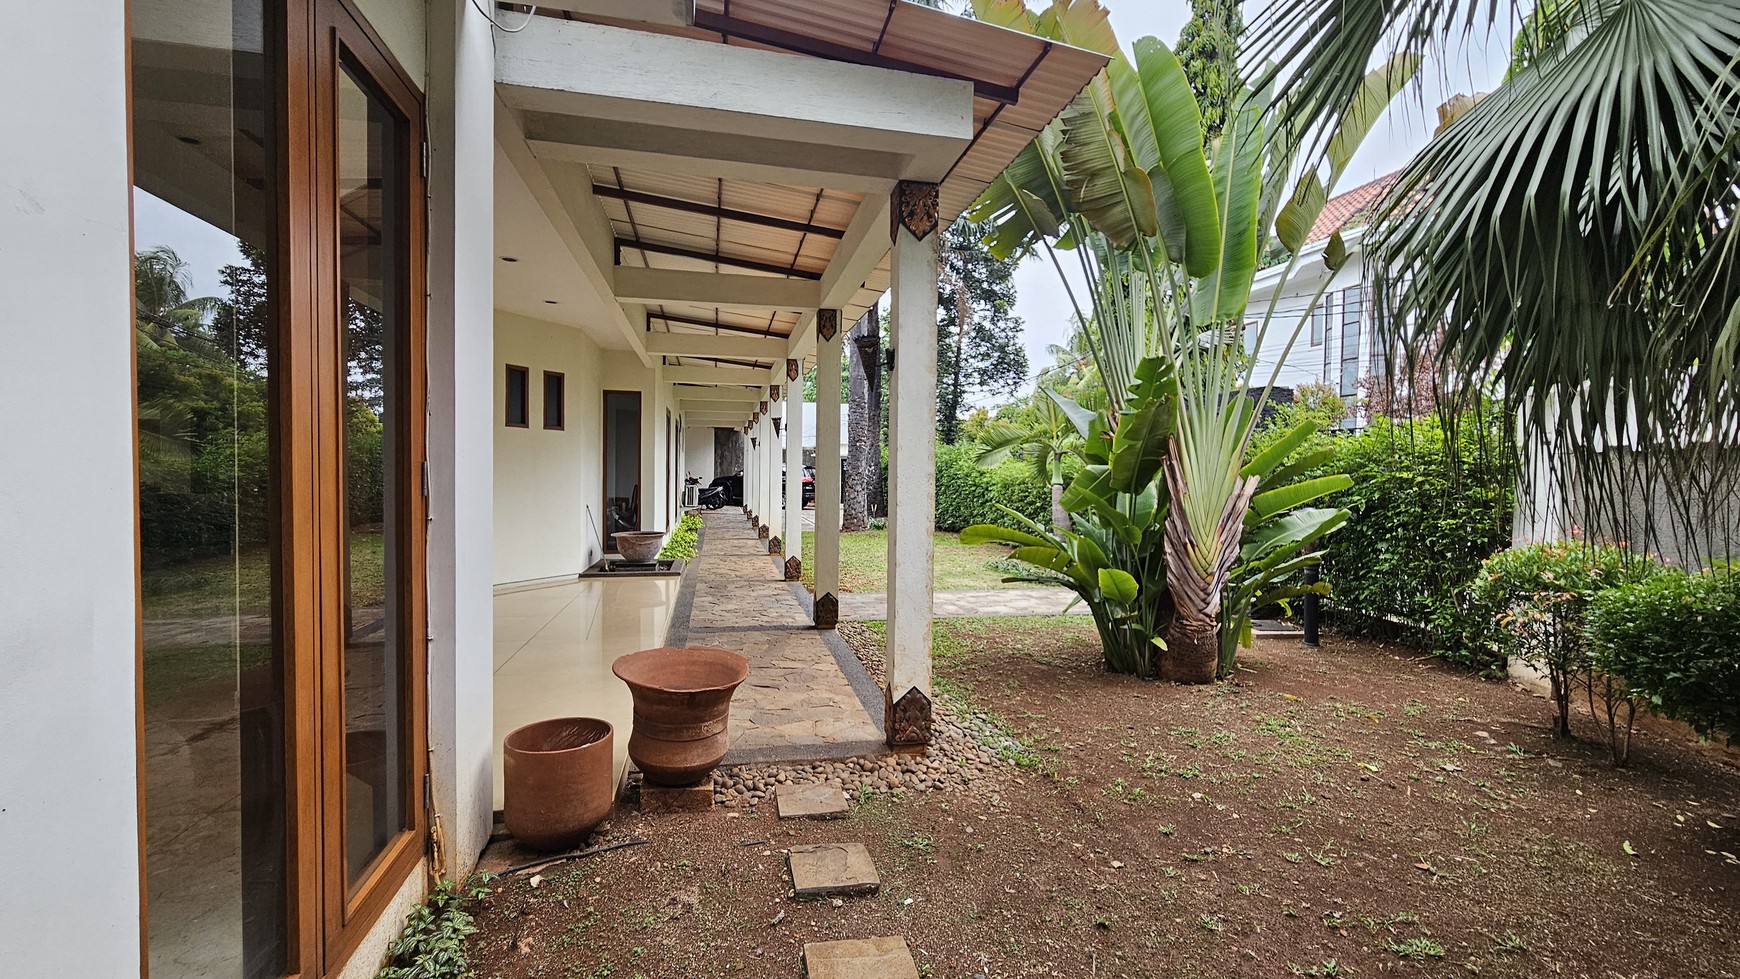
<point x="966" y="750"/>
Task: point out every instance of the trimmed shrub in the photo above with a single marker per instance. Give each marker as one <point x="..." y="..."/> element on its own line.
<point x="968" y="495"/>
<point x="1424" y="517"/>
<point x="1539" y="595"/>
<point x="1672" y="639"/>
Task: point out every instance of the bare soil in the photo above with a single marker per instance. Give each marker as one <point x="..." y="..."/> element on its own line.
<point x="1355" y="810"/>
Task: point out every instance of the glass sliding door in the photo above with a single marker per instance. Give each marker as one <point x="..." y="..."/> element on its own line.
<point x="278" y="238"/>
<point x="206" y="333"/>
<point x="622" y="491"/>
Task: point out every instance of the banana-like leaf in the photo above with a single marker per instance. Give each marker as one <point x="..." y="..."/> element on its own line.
<point x="1026" y="200"/>
<point x="1012" y="14"/>
<point x="1118" y="585"/>
<point x="1139" y="446"/>
<point x="1293" y="224"/>
<point x="1049" y="558"/>
<point x="1158" y="111"/>
<point x="990" y="533"/>
<point x="1105" y="185"/>
<point x="1291" y="530"/>
<point x="1335" y="252"/>
<point x="1082" y="23"/>
<point x="1379" y="87"/>
<point x="1238" y="188"/>
<point x="1283" y="498"/>
<point x="1269" y="458"/>
<point x="1080" y="417"/>
<point x="1092" y="487"/>
<point x="1308" y="462"/>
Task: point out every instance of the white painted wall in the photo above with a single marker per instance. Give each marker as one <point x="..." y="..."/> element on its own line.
<point x="69" y="820"/>
<point x="548" y="484"/>
<point x="698" y="458"/>
<point x="1304" y="362"/>
<point x="461" y="444"/>
<point x="400" y="23"/>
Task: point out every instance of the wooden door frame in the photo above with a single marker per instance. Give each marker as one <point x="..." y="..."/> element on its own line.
<point x="344" y="38"/>
<point x="608" y="543"/>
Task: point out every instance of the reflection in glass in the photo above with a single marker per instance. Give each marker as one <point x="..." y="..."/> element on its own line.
<point x="213" y="667"/>
<point x="370" y="223"/>
<point x="621" y="463"/>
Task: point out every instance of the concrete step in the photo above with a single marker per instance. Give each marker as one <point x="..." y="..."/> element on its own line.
<point x="832" y="870"/>
<point x="814" y="801"/>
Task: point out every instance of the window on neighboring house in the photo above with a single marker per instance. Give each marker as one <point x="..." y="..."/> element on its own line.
<point x="1320" y="320"/>
<point x="555" y="400"/>
<point x="1251" y="328"/>
<point x="1352" y="307"/>
<point x="1324" y="317"/>
<point x="518" y="410"/>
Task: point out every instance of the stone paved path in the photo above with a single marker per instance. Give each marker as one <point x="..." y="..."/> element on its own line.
<point x="797" y="703"/>
<point x="871" y="605"/>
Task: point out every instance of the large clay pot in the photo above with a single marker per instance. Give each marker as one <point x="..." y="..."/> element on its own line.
<point x="638" y="546"/>
<point x="682" y="709"/>
<point x="557" y="780"/>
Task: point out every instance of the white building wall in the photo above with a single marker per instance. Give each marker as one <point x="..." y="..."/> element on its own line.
<point x="1304" y="362"/>
<point x="698" y="457"/>
<point x="69" y="818"/>
<point x="461" y="444"/>
<point x="549" y="485"/>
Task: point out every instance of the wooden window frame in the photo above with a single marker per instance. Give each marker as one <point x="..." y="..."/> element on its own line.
<point x="561" y="405"/>
<point x="326" y="919"/>
<point x="604" y="470"/>
<point x="507" y="416"/>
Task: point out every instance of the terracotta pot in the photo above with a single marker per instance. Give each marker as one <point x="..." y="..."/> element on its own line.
<point x="557" y="780"/>
<point x="638" y="546"/>
<point x="682" y="709"/>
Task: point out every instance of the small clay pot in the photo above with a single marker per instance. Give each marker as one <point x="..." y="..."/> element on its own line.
<point x="557" y="780"/>
<point x="638" y="546"/>
<point x="682" y="709"/>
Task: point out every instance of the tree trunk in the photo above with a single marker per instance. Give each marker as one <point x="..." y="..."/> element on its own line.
<point x="862" y="456"/>
<point x="1059" y="516"/>
<point x="1192" y="653"/>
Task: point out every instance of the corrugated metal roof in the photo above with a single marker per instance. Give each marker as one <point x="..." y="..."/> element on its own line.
<point x="1021" y="83"/>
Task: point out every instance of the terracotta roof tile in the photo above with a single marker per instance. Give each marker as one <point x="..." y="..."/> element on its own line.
<point x="1351" y="209"/>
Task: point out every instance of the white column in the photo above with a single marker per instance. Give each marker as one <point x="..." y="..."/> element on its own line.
<point x="68" y="634"/>
<point x="829" y="336"/>
<point x="751" y="435"/>
<point x="911" y="462"/>
<point x="461" y="437"/>
<point x="770" y="461"/>
<point x="792" y="537"/>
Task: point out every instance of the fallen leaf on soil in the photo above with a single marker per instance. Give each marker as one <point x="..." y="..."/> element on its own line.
<point x="1628" y="850"/>
<point x="536" y="880"/>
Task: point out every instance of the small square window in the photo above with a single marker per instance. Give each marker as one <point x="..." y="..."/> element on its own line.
<point x="555" y="400"/>
<point x="518" y="408"/>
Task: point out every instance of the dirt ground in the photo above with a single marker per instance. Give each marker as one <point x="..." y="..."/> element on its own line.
<point x="1350" y="811"/>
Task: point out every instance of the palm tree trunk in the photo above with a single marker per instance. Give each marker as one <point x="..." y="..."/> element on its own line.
<point x="861" y="424"/>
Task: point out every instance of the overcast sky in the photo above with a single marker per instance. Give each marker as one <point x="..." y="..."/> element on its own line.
<point x="1476" y="66"/>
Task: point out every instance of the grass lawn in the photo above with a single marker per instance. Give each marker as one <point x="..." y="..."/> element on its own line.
<point x="1354" y="810"/>
<point x="864" y="562"/>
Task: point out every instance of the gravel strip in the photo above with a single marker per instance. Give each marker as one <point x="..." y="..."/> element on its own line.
<point x="966" y="750"/>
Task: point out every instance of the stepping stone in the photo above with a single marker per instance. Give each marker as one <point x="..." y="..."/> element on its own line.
<point x="814" y="801"/>
<point x="832" y="870"/>
<point x="860" y="958"/>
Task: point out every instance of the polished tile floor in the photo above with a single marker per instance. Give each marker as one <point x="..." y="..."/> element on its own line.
<point x="554" y="645"/>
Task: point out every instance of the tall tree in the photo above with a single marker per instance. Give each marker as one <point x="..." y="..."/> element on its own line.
<point x="1208" y="47"/>
<point x="863" y="421"/>
<point x="978" y="336"/>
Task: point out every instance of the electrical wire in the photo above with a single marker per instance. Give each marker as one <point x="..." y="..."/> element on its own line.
<point x="533" y="12"/>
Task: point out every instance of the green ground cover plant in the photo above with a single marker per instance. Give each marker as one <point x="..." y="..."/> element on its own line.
<point x="684" y="541"/>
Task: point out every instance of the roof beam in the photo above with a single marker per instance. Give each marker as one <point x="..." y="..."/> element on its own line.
<point x="677" y="251"/>
<point x="745" y="376"/>
<point x="706" y="345"/>
<point x="653" y="286"/>
<point x="865" y="243"/>
<point x="754" y="331"/>
<point x="788" y="41"/>
<point x="695" y="392"/>
<point x="714" y="211"/>
<point x="671" y="13"/>
<point x="717" y="407"/>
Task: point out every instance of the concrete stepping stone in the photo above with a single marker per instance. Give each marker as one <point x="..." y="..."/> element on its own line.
<point x="817" y="800"/>
<point x="832" y="870"/>
<point x="860" y="958"/>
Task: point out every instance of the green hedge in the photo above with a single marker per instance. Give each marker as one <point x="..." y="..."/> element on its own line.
<point x="1672" y="640"/>
<point x="967" y="494"/>
<point x="684" y="541"/>
<point x="1423" y="519"/>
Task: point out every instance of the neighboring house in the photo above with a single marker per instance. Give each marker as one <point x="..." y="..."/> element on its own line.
<point x="481" y="290"/>
<point x="1339" y="347"/>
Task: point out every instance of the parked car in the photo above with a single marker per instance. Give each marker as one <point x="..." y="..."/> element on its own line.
<point x="809" y="498"/>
